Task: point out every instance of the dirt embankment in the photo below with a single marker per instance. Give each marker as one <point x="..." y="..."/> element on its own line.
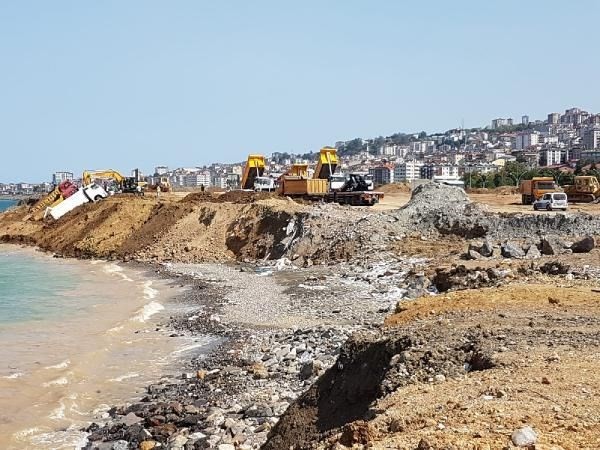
<point x="198" y="228"/>
<point x="254" y="226"/>
<point x="463" y="370"/>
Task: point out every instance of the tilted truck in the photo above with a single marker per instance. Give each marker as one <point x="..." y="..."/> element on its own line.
<point x="61" y="192"/>
<point x="584" y="190"/>
<point x="534" y="189"/>
<point x="87" y="194"/>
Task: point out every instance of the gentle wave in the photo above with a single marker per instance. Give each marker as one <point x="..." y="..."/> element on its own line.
<point x="115" y="269"/>
<point x="58" y="382"/>
<point x="13" y="376"/>
<point x="147" y="311"/>
<point x="61" y="365"/>
<point x="127" y="376"/>
<point x="149" y="291"/>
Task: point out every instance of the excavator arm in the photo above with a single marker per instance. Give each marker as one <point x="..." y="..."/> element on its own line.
<point x="89" y="176"/>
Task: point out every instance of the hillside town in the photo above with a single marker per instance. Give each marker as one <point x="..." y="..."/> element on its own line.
<point x="563" y="141"/>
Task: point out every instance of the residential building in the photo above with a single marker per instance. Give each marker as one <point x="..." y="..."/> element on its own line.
<point x="591" y="138"/>
<point x="525" y="120"/>
<point x="590" y="156"/>
<point x="161" y="170"/>
<point x="497" y="123"/>
<point x="551" y="157"/>
<point x="59" y="177"/>
<point x="526" y="139"/>
<point x="553" y="118"/>
<point x="408" y="171"/>
<point x="382" y="174"/>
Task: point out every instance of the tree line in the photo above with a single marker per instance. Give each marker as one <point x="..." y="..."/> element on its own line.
<point x="514" y="172"/>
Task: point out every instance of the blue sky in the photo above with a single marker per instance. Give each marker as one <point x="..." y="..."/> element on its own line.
<point x="123" y="84"/>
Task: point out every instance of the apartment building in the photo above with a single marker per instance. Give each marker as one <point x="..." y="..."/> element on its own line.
<point x="408" y="171"/>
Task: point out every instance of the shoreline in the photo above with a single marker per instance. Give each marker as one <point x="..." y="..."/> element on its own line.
<point x="267" y="357"/>
<point x="140" y="321"/>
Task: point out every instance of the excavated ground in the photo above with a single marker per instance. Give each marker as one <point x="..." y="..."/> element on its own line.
<point x="463" y="371"/>
<point x="513" y="341"/>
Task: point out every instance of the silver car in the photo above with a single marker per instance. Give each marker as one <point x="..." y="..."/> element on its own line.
<point x="552" y="201"/>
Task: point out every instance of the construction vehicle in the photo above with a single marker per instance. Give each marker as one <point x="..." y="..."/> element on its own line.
<point x="163" y="183"/>
<point x="584" y="190"/>
<point x="253" y="177"/>
<point x="61" y="192"/>
<point x="354" y="191"/>
<point x="123" y="184"/>
<point x="326" y="164"/>
<point x="89" y="193"/>
<point x="254" y="168"/>
<point x="534" y="189"/>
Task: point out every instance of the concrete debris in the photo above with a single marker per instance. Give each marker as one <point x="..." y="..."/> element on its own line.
<point x="524" y="437"/>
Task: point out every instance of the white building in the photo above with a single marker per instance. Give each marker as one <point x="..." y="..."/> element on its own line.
<point x="591" y="138"/>
<point x="551" y="157"/>
<point x="526" y="139"/>
<point x="59" y="177"/>
<point x="197" y="179"/>
<point x="408" y="171"/>
<point x="161" y="170"/>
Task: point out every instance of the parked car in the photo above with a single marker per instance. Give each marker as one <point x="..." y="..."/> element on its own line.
<point x="552" y="201"/>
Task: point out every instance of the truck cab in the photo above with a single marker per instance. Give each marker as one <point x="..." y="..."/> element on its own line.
<point x="534" y="189"/>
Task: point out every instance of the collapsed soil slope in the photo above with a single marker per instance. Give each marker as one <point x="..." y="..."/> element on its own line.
<point x="462" y="371"/>
<point x="241" y="226"/>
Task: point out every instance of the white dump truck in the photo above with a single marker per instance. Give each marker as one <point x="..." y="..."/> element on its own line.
<point x="90" y="193"/>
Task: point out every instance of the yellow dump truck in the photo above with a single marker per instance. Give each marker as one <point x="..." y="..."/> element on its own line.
<point x="534" y="189"/>
<point x="296" y="183"/>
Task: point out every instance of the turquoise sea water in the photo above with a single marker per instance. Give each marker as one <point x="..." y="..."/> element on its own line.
<point x="5" y="204"/>
<point x="31" y="289"/>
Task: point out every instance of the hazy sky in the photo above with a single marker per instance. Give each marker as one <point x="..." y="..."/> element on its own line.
<point x="123" y="84"/>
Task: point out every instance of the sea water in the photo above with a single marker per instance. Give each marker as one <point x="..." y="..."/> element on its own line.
<point x="76" y="337"/>
<point x="5" y="204"/>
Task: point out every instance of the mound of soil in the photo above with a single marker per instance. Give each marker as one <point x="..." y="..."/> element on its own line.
<point x="394" y="188"/>
<point x="368" y="368"/>
<point x="240" y="197"/>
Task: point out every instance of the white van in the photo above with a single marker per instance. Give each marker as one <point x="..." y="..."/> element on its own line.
<point x="551" y="201"/>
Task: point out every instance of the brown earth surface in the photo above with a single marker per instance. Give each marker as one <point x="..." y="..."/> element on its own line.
<point x="533" y="342"/>
<point x="539" y="346"/>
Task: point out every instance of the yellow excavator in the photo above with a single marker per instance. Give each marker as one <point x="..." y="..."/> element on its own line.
<point x="124" y="184"/>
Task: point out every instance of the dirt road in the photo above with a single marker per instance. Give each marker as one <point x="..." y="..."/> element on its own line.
<point x="494" y="202"/>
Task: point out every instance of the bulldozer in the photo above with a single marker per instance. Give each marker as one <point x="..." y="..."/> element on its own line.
<point x="585" y="189"/>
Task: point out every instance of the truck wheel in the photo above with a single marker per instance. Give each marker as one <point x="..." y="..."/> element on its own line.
<point x="535" y="208"/>
<point x="98" y="197"/>
<point x="549" y="208"/>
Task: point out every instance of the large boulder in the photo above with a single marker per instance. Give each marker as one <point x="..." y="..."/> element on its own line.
<point x="585" y="245"/>
<point x="487" y="249"/>
<point x="511" y="250"/>
<point x="552" y="245"/>
<point x="533" y="252"/>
